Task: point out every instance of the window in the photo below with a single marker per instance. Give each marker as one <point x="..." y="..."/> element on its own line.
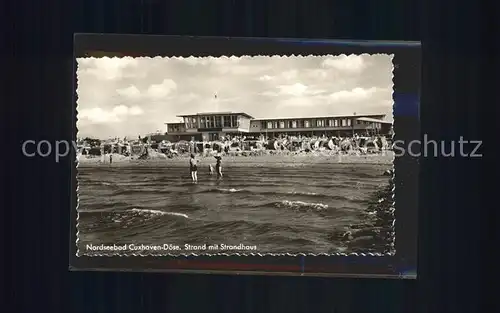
<point x="294" y="124"/>
<point x="227" y="121"/>
<point x="269" y="125"/>
<point x="330" y="123"/>
<point x="234" y="121"/>
<point x="218" y="121"/>
<point x="202" y="122"/>
<point x="344" y="122"/>
<point x="320" y="123"/>
<point x="306" y="124"/>
<point x="349" y="122"/>
<point x="282" y="124"/>
<point x="275" y="124"/>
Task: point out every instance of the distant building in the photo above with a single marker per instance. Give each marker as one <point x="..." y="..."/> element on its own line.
<point x="210" y="126"/>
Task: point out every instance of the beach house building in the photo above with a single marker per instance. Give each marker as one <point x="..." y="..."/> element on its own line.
<point x="211" y="126"/>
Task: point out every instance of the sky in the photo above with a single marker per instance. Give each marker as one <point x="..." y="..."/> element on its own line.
<point x="120" y="97"/>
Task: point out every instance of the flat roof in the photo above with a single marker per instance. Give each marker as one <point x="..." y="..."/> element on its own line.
<point x="373" y="120"/>
<point x="309" y="117"/>
<point x="217" y="113"/>
<point x="174" y="123"/>
<point x="362" y="117"/>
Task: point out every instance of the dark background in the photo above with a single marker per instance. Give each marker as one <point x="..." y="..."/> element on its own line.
<point x="36" y="104"/>
<point x="406" y="92"/>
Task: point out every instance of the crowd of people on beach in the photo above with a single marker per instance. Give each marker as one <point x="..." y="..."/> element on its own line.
<point x="235" y="146"/>
<point x="109" y="151"/>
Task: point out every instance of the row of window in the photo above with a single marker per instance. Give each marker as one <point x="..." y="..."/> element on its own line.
<point x="226" y="121"/>
<point x="374" y="125"/>
<point x="175" y="129"/>
<point x="345" y="122"/>
<point x="232" y="121"/>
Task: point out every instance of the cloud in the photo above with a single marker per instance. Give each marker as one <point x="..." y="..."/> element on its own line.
<point x="355" y="94"/>
<point x="265" y="78"/>
<point x="347" y="63"/>
<point x="158" y="91"/>
<point x="293" y="90"/>
<point x="302" y="97"/>
<point x="106" y="68"/>
<point x="192" y="61"/>
<point x="154" y="91"/>
<point x="317" y="73"/>
<point x="287" y="75"/>
<point x="117" y="114"/>
<point x="222" y="61"/>
<point x="129" y="92"/>
<point x="187" y="97"/>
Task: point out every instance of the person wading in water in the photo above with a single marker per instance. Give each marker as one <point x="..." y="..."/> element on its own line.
<point x="193" y="168"/>
<point x="218" y="167"/>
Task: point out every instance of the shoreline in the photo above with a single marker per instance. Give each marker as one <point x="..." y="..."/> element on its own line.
<point x="377" y="234"/>
<point x="285" y="159"/>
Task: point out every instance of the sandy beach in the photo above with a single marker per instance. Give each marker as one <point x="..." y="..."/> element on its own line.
<point x="386" y="157"/>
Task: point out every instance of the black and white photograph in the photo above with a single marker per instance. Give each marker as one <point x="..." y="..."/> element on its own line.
<point x="250" y="155"/>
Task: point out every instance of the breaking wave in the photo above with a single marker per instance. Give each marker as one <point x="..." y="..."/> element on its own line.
<point x="157" y="212"/>
<point x="301" y="204"/>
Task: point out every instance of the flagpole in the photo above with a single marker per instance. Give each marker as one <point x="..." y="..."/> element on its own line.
<point x="217" y="110"/>
<point x="216" y="102"/>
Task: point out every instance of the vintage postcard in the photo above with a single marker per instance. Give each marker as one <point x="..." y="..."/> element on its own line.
<point x="250" y="155"/>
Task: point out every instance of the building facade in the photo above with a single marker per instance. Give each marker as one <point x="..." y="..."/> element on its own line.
<point x="213" y="126"/>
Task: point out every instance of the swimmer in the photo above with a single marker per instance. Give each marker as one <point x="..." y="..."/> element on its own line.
<point x="218" y="167"/>
<point x="193" y="168"/>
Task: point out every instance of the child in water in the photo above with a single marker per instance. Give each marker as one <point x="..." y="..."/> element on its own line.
<point x="218" y="167"/>
<point x="193" y="168"/>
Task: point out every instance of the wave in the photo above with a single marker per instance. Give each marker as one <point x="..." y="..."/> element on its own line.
<point x="235" y="190"/>
<point x="103" y="207"/>
<point x="300" y="193"/>
<point x="223" y="190"/>
<point x="98" y="183"/>
<point x="215" y="190"/>
<point x="134" y="210"/>
<point x="157" y="212"/>
<point x="312" y="195"/>
<point x="300" y="205"/>
<point x="277" y="193"/>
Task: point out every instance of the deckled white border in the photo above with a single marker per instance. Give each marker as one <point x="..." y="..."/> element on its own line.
<point x="391" y="242"/>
